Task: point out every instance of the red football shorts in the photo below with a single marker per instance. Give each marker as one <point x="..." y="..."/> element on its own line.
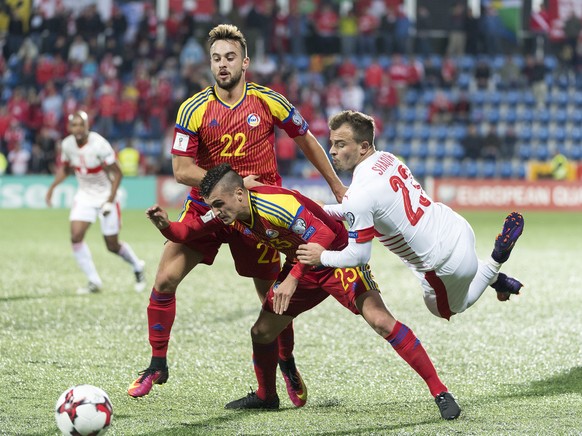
<point x="251" y="258"/>
<point x="343" y="284"/>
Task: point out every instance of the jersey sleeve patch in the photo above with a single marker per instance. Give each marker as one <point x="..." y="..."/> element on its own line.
<point x="363" y="235"/>
<point x="180" y="142"/>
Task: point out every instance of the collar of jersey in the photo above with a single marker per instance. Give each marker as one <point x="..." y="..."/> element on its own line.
<point x="236" y="103"/>
<point x="252" y="223"/>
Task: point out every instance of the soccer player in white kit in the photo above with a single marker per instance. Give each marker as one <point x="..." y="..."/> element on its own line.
<point x="92" y="159"/>
<point x="385" y="201"/>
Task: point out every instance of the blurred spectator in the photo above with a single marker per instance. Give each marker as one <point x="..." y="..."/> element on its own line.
<point x="367" y="32"/>
<point x="333" y="99"/>
<point x="491" y="144"/>
<point x="423" y="27"/>
<point x="130" y="160"/>
<point x="192" y="53"/>
<point x="52" y="105"/>
<point x="559" y="166"/>
<point x="387" y="28"/>
<point x="387" y="98"/>
<point x="491" y="28"/>
<point x="440" y="110"/>
<point x="457" y="30"/>
<point x="508" y="142"/>
<point x="3" y="163"/>
<point x="402" y="32"/>
<point x="89" y="24"/>
<point x="372" y="79"/>
<point x="326" y="22"/>
<point x="280" y="36"/>
<point x="399" y="74"/>
<point x="107" y="105"/>
<point x="18" y="159"/>
<point x="534" y="72"/>
<point x="474" y="43"/>
<point x="472" y="142"/>
<point x="572" y="28"/>
<point x="286" y="154"/>
<point x="449" y="72"/>
<point x="46" y="141"/>
<point x="256" y="21"/>
<point x="14" y="135"/>
<point x="78" y="50"/>
<point x="18" y="105"/>
<point x="298" y="29"/>
<point x="509" y="74"/>
<point x="462" y="108"/>
<point x="352" y="95"/>
<point x="432" y="74"/>
<point x="416" y="73"/>
<point x="348" y="32"/>
<point x="482" y="74"/>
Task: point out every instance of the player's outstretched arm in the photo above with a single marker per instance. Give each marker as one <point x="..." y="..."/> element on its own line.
<point x="316" y="155"/>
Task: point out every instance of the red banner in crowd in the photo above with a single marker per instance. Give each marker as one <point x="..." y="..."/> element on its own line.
<point x="507" y="194"/>
<point x="558" y="13"/>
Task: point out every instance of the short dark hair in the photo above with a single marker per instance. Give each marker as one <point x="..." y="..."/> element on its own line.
<point x="362" y="125"/>
<point x="223" y="174"/>
<point x="228" y="32"/>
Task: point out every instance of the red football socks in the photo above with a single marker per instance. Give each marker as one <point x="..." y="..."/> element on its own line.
<point x="161" y="314"/>
<point x="407" y="345"/>
<point x="265" y="362"/>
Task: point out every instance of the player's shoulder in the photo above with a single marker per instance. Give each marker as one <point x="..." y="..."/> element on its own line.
<point x="198" y="99"/>
<point x="97" y="139"/>
<point x="266" y="93"/>
<point x="194" y="104"/>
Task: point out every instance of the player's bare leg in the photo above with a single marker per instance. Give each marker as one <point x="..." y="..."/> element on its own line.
<point x="176" y="262"/>
<point x="124" y="250"/>
<point x="264" y="334"/>
<point x="407" y="345"/>
<point x="83" y="257"/>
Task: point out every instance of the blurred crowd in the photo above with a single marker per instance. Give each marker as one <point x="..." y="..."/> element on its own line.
<point x="131" y="71"/>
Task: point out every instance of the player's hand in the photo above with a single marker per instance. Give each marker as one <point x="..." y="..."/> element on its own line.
<point x="251" y="181"/>
<point x="158" y="217"/>
<point x="282" y="293"/>
<point x="310" y="254"/>
<point x="107" y="208"/>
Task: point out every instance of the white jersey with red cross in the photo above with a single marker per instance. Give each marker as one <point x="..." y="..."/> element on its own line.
<point x="89" y="162"/>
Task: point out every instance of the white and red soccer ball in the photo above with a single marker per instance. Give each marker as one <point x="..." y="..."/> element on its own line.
<point x="83" y="410"/>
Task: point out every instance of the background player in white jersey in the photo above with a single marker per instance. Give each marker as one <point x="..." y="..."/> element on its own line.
<point x="92" y="159"/>
<point x="385" y="201"/>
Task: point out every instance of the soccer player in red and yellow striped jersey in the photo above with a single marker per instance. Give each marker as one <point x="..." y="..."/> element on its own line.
<point x="232" y="121"/>
<point x="284" y="220"/>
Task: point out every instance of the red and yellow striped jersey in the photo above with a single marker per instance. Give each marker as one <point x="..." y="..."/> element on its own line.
<point x="242" y="134"/>
<point x="280" y="218"/>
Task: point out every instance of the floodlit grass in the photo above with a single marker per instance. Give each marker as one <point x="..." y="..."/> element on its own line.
<point x="516" y="367"/>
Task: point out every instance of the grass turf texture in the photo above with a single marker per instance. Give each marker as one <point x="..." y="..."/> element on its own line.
<point x="515" y="367"/>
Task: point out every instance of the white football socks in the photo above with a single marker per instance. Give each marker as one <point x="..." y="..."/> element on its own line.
<point x="127" y="254"/>
<point x="85" y="260"/>
<point x="486" y="275"/>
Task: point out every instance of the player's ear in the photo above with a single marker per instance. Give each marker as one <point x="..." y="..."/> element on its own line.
<point x="246" y="63"/>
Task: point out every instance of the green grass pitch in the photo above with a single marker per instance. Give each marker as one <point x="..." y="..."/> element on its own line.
<point x="515" y="367"/>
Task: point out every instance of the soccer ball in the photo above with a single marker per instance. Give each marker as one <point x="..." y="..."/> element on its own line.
<point x="83" y="410"/>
